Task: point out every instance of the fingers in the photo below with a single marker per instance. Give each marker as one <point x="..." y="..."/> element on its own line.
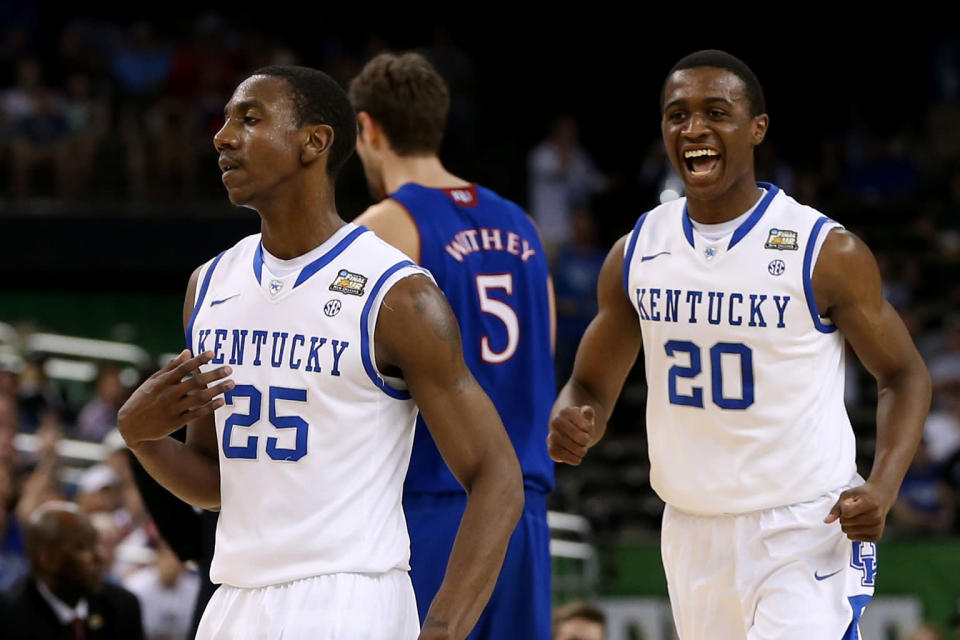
<point x="563" y="450"/>
<point x="570" y="434"/>
<point x="202" y="380"/>
<point x="188" y="366"/>
<point x="203" y="410"/>
<point x="205" y="395"/>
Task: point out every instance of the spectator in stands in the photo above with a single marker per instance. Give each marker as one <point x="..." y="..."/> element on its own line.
<point x="925" y="502"/>
<point x="945" y="364"/>
<point x="99" y="416"/>
<point x="561" y="177"/>
<point x="13" y="560"/>
<point x="167" y="592"/>
<point x="39" y="139"/>
<point x="575" y="269"/>
<point x="37" y="396"/>
<point x="926" y="631"/>
<point x="9" y="425"/>
<point x="88" y="120"/>
<point x="579" y="621"/>
<point x="64" y="596"/>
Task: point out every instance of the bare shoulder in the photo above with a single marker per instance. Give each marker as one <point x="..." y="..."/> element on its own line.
<point x="392" y="222"/>
<point x="846" y="269"/>
<point x="189" y="300"/>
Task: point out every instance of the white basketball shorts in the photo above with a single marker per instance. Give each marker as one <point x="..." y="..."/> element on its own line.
<point x="340" y="606"/>
<point x="779" y="574"/>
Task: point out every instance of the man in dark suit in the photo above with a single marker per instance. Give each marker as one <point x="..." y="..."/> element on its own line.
<point x="64" y="597"/>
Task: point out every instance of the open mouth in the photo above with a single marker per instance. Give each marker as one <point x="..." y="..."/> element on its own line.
<point x="701" y="162"/>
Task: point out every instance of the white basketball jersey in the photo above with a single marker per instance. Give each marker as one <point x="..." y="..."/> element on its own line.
<point x="314" y="442"/>
<point x="745" y="379"/>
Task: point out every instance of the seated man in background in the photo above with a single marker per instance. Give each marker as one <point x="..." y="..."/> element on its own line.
<point x="64" y="597"/>
<point x="579" y="621"/>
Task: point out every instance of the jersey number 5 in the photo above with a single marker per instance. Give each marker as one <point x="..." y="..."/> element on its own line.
<point x="500" y="310"/>
<point x="249" y="450"/>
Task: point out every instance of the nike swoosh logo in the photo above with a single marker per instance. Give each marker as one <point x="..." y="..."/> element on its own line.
<point x="656" y="255"/>
<point x="214" y="302"/>
<point x="819" y="577"/>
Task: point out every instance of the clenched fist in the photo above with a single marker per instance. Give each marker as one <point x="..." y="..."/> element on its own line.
<point x="571" y="433"/>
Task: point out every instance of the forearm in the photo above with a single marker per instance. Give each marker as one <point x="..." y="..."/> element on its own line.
<point x="902" y="405"/>
<point x="494" y="504"/>
<point x="182" y="470"/>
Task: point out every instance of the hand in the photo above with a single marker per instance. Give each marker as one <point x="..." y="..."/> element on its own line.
<point x="862" y="512"/>
<point x="165" y="401"/>
<point x="571" y="434"/>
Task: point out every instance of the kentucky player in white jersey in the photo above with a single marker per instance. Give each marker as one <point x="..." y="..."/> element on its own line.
<point x="331" y="340"/>
<point x="742" y="299"/>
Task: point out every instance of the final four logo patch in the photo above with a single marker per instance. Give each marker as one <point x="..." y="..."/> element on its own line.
<point x="349" y="282"/>
<point x="782" y="239"/>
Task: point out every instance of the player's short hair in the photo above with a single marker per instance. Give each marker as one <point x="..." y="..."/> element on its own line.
<point x="318" y="99"/>
<point x="723" y="60"/>
<point x="407" y="97"/>
<point x="577" y="610"/>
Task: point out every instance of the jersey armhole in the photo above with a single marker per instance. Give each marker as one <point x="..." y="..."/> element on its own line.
<point x="394" y="387"/>
<point x="629" y="248"/>
<point x="416" y="226"/>
<point x="821" y="229"/>
<point x="206" y="273"/>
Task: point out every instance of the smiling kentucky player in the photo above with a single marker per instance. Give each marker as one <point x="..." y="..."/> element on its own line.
<point x="742" y="298"/>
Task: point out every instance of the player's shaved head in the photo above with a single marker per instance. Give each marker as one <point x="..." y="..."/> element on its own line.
<point x="407" y="98"/>
<point x="723" y="60"/>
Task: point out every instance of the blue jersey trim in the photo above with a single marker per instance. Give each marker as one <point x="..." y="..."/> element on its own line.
<point x="365" y="355"/>
<point x="258" y="261"/>
<point x="203" y="294"/>
<point x="688" y="226"/>
<point x="858" y="604"/>
<point x="628" y="258"/>
<point x="328" y="257"/>
<point x="754" y="218"/>
<point x="807" y="278"/>
<point x="747" y="225"/>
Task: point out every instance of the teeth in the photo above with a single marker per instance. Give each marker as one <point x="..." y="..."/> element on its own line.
<point x="697" y="153"/>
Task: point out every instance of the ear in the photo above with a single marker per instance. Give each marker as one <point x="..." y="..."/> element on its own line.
<point x="759" y="126"/>
<point x="318" y="142"/>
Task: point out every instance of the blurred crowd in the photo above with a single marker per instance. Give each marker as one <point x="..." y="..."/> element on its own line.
<point x="120" y="111"/>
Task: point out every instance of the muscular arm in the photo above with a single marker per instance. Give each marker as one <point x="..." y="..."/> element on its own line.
<point x="417" y="333"/>
<point x="848" y="289"/>
<point x="190" y="470"/>
<point x="606" y="354"/>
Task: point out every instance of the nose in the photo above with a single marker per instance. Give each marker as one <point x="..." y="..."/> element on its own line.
<point x="226" y="138"/>
<point x="695" y="126"/>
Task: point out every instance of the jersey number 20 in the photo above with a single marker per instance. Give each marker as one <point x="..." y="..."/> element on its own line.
<point x="249" y="450"/>
<point x="717" y="351"/>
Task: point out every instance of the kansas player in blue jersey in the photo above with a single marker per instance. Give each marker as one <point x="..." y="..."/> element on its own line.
<point x="486" y="256"/>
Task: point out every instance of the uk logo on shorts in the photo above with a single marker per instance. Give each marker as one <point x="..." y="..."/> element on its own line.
<point x="865" y="560"/>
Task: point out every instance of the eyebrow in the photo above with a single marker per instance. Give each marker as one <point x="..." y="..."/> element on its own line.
<point x="243" y="104"/>
<point x="710" y="99"/>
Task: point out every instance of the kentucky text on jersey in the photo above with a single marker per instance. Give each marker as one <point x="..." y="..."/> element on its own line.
<point x="470" y="240"/>
<point x="716" y="307"/>
<point x="284" y="350"/>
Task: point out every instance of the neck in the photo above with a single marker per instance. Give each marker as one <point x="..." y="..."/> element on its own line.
<point x="426" y="170"/>
<point x="69" y="597"/>
<point x="727" y="206"/>
<point x="300" y="219"/>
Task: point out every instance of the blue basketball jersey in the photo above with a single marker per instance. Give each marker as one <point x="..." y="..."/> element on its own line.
<point x="487" y="258"/>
